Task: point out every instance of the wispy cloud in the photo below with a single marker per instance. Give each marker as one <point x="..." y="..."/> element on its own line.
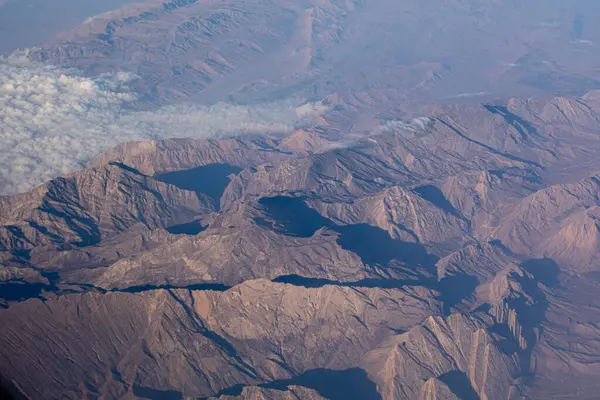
<point x="414" y="125"/>
<point x="468" y="94"/>
<point x="52" y="121"/>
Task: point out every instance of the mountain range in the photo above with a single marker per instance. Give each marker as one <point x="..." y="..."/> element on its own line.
<point x="406" y="242"/>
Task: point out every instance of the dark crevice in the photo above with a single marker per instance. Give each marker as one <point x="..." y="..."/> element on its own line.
<point x="218" y="340"/>
<point x="488" y="148"/>
<point x="505" y="340"/>
<point x="523" y="127"/>
<point x="21" y="256"/>
<point x="85" y="227"/>
<point x="18" y="233"/>
<point x="44" y="231"/>
<point x="17" y="291"/>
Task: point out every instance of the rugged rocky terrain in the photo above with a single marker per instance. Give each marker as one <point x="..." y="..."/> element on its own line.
<point x="237" y="268"/>
<point x="408" y="241"/>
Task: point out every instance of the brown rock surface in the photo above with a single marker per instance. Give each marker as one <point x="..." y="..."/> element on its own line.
<point x="458" y="345"/>
<point x="253" y="333"/>
<point x="429" y="251"/>
<point x="81" y="208"/>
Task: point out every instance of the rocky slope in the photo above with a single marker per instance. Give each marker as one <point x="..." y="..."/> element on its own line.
<point x="256" y="332"/>
<point x="450" y="255"/>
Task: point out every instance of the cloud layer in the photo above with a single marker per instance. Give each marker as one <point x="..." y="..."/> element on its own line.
<point x="52" y="121"/>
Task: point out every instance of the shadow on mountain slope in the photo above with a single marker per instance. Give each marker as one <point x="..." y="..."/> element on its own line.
<point x="350" y="384"/>
<point x="544" y="270"/>
<point x="8" y="391"/>
<point x="153" y="394"/>
<point x="456" y="288"/>
<point x="20" y="291"/>
<point x="376" y="247"/>
<point x="189" y="228"/>
<point x="460" y="385"/>
<point x="291" y="216"/>
<point x="435" y="196"/>
<point x="210" y="180"/>
<point x="523" y="127"/>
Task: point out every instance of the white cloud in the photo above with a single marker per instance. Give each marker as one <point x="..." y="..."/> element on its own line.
<point x="414" y="125"/>
<point x="468" y="94"/>
<point x="52" y="121"/>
